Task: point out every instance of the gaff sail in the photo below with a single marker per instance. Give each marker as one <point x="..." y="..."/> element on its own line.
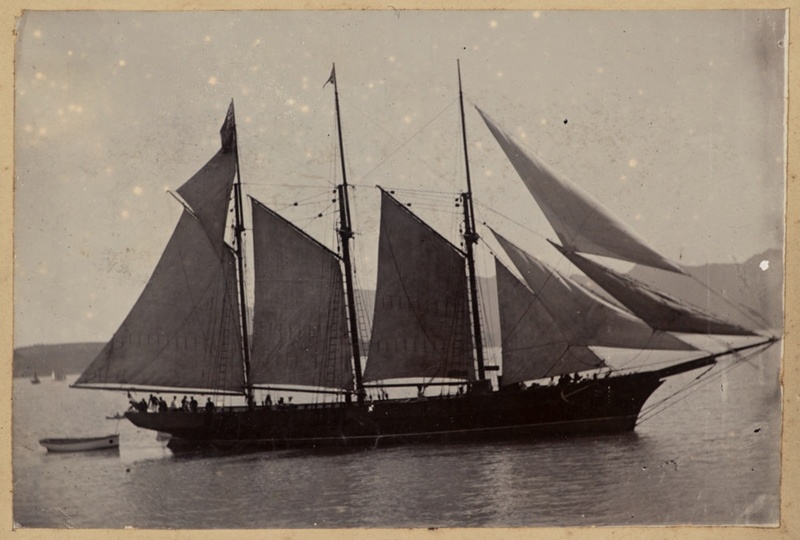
<point x="300" y="332"/>
<point x="421" y="322"/>
<point x="580" y="221"/>
<point x="183" y="331"/>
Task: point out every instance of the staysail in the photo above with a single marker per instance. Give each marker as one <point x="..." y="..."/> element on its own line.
<point x="183" y="331"/>
<point x="588" y="319"/>
<point x="300" y="332"/>
<point x="580" y="221"/>
<point x="659" y="310"/>
<point x="421" y="321"/>
<point x="534" y="345"/>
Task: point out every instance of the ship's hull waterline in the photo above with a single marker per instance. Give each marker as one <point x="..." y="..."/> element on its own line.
<point x="586" y="408"/>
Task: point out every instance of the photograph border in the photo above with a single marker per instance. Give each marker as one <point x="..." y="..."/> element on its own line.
<point x="789" y="527"/>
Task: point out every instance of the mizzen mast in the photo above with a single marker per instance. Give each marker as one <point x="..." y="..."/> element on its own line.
<point x="229" y="143"/>
<point x="470" y="239"/>
<point x="345" y="234"/>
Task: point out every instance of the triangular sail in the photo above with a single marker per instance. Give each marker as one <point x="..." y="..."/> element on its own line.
<point x="534" y="346"/>
<point x="580" y="221"/>
<point x="589" y="319"/>
<point x="300" y="332"/>
<point x="183" y="331"/>
<point x="421" y="322"/>
<point x="208" y="192"/>
<point x="659" y="310"/>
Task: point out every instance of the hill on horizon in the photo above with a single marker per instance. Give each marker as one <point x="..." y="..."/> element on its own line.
<point x="67" y="358"/>
<point x="743" y="293"/>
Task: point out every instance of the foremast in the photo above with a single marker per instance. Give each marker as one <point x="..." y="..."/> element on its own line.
<point x="345" y="234"/>
<point x="470" y="239"/>
<point x="230" y="144"/>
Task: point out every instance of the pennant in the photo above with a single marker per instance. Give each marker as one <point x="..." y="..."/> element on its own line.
<point x="228" y="131"/>
<point x="332" y="78"/>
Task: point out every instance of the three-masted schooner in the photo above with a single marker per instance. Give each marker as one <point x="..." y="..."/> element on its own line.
<point x="190" y="331"/>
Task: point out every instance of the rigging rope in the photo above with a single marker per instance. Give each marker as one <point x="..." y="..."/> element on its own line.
<point x="698" y="382"/>
<point x="403" y="144"/>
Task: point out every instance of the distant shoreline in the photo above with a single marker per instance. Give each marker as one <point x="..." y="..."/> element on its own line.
<point x="64" y="358"/>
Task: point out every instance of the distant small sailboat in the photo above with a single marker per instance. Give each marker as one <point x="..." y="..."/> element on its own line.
<point x="35" y="379"/>
<point x="81" y="444"/>
<point x="58" y="376"/>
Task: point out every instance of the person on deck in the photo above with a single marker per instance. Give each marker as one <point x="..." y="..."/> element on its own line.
<point x="209" y="406"/>
<point x="185" y="404"/>
<point x="174" y="405"/>
<point x="193" y="404"/>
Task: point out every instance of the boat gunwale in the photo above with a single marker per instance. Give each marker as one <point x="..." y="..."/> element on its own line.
<point x="77" y="440"/>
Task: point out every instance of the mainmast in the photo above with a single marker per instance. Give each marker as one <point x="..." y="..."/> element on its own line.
<point x="470" y="239"/>
<point x="346" y="233"/>
<point x="229" y="142"/>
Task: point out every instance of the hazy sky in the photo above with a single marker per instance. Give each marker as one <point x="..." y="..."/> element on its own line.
<point x="674" y="120"/>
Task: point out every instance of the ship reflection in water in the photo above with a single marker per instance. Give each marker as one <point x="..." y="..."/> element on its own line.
<point x="711" y="460"/>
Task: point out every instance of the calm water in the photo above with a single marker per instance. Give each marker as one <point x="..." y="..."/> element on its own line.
<point x="712" y="458"/>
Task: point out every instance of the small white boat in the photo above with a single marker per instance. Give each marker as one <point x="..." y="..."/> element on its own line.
<point x="81" y="444"/>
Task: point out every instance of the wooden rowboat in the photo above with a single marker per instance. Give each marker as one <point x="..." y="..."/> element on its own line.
<point x="81" y="444"/>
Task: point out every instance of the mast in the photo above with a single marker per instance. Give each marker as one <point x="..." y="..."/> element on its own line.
<point x="238" y="229"/>
<point x="470" y="239"/>
<point x="345" y="234"/>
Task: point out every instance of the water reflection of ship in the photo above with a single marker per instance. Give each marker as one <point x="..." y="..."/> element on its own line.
<point x="190" y="331"/>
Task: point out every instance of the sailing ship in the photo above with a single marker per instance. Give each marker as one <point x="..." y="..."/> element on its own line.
<point x="190" y="331"/>
<point x="35" y="379"/>
<point x="56" y="375"/>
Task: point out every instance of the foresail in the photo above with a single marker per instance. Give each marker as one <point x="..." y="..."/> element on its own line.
<point x="578" y="219"/>
<point x="421" y="321"/>
<point x="586" y="318"/>
<point x="207" y="193"/>
<point x="659" y="310"/>
<point x="183" y="331"/>
<point x="300" y="332"/>
<point x="534" y="345"/>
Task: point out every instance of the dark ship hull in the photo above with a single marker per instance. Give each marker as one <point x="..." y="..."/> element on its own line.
<point x="587" y="407"/>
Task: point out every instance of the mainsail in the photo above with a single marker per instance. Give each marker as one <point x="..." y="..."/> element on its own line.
<point x="657" y="309"/>
<point x="534" y="345"/>
<point x="580" y="221"/>
<point x="421" y="321"/>
<point x="183" y="331"/>
<point x="299" y="324"/>
<point x="585" y="317"/>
